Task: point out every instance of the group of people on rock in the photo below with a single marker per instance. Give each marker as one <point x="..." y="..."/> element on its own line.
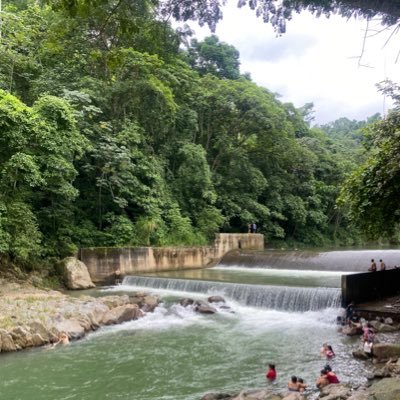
<point x="297" y="384"/>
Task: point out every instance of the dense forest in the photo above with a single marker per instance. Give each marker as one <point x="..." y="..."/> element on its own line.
<point x="116" y="129"/>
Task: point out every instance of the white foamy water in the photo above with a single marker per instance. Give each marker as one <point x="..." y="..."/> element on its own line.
<point x="282" y="272"/>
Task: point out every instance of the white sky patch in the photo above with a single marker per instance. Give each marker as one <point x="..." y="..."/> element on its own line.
<point x="316" y="60"/>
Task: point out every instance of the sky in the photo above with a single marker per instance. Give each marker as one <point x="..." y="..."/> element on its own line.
<point x="317" y="60"/>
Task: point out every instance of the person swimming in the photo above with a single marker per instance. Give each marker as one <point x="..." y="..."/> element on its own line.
<point x="294" y="385"/>
<point x="271" y="374"/>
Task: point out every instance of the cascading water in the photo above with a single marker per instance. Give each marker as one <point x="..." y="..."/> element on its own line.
<point x="271" y="297"/>
<point x="347" y="260"/>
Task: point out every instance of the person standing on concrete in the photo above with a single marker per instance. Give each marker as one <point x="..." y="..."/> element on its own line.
<point x="253" y="228"/>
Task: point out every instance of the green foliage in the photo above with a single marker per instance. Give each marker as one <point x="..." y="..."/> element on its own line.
<point x="214" y="57"/>
<point x="370" y="195"/>
<point x="110" y="135"/>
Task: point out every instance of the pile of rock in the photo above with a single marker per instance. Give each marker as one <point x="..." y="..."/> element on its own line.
<point x="385" y="389"/>
<point x="205" y="307"/>
<point x="31" y="317"/>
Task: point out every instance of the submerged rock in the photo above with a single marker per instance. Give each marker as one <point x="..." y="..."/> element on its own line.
<point x="216" y="299"/>
<point x="186" y="302"/>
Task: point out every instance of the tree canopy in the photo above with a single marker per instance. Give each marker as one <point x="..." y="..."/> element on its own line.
<point x="111" y="134"/>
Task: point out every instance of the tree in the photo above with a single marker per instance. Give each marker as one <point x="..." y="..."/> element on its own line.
<point x="371" y="195"/>
<point x="214" y="57"/>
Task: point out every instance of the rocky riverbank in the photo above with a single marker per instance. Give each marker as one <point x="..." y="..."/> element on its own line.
<point x="31" y="317"/>
<point x="382" y="384"/>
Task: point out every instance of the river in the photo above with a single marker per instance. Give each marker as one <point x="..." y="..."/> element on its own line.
<point x="178" y="354"/>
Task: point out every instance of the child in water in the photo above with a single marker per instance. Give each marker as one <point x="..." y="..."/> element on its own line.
<point x="271" y="374"/>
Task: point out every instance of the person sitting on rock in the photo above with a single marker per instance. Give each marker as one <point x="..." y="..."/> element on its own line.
<point x="322" y="380"/>
<point x="271" y="374"/>
<point x="302" y="385"/>
<point x="382" y="265"/>
<point x="294" y="385"/>
<point x="331" y="376"/>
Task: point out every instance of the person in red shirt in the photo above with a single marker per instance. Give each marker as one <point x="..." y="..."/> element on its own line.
<point x="271" y="374"/>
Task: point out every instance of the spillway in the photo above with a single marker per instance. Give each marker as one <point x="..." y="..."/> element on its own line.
<point x="264" y="296"/>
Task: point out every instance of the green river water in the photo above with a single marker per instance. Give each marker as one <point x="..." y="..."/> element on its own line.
<point x="177" y="354"/>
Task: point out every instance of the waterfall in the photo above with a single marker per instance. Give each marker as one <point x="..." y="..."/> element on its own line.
<point x="345" y="260"/>
<point x="270" y="297"/>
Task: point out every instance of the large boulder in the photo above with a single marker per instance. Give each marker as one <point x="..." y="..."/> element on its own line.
<point x="360" y="394"/>
<point x="70" y="326"/>
<point x="383" y="328"/>
<point x="385" y="351"/>
<point x="204" y="308"/>
<point x="121" y="314"/>
<point x="293" y="396"/>
<point x="76" y="275"/>
<point x="150" y="303"/>
<point x="7" y="343"/>
<point x="335" y="391"/>
<point x="385" y="389"/>
<point x="260" y="394"/>
<point x="216" y="299"/>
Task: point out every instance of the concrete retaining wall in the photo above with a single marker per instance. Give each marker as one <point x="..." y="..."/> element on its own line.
<point x="102" y="262"/>
<point x="368" y="286"/>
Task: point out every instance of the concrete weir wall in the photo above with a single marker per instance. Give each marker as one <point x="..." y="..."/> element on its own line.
<point x="102" y="262"/>
<point x="368" y="286"/>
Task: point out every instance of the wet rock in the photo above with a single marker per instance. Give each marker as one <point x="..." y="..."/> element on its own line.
<point x="76" y="274"/>
<point x="204" y="308"/>
<point x="216" y="396"/>
<point x="216" y="299"/>
<point x="186" y="302"/>
<point x="335" y="391"/>
<point x="150" y="303"/>
<point x="385" y="351"/>
<point x="121" y="314"/>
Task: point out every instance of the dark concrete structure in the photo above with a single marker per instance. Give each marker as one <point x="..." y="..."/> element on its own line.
<point x="368" y="286"/>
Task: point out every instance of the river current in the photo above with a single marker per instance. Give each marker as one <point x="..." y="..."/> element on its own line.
<point x="178" y="354"/>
